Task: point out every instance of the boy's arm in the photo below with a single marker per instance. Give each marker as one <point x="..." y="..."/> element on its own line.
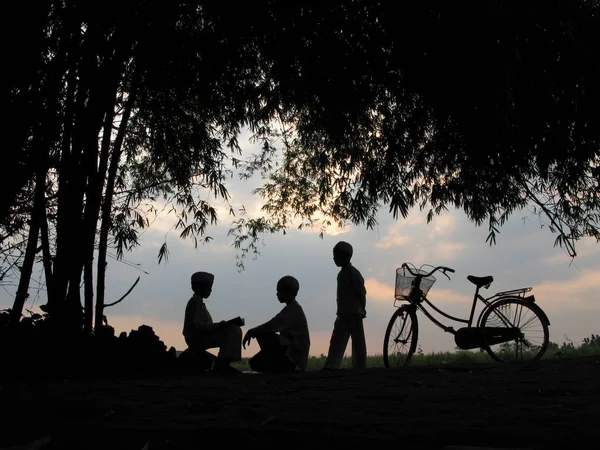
<point x="361" y="290"/>
<point x="206" y="324"/>
<point x="364" y="296"/>
<point x="236" y="321"/>
<point x="208" y="327"/>
<point x="277" y="323"/>
<point x="188" y="319"/>
<point x="363" y="300"/>
<point x="270" y="325"/>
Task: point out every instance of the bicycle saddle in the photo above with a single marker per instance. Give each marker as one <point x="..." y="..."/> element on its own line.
<point x="480" y="281"/>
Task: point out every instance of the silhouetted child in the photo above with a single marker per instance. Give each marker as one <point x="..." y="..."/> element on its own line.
<point x="351" y="310"/>
<point x="201" y="333"/>
<point x="288" y="350"/>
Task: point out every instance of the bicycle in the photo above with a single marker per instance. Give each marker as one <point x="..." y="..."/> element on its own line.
<point x="510" y="327"/>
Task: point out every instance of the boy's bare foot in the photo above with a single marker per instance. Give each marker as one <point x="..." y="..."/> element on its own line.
<point x="223" y="367"/>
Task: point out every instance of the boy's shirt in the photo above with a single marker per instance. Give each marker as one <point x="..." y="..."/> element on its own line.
<point x="197" y="316"/>
<point x="292" y="326"/>
<point x="351" y="291"/>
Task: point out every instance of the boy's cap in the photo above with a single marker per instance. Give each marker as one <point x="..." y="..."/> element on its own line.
<point x="203" y="277"/>
<point x="289" y="282"/>
<point x="343" y="246"/>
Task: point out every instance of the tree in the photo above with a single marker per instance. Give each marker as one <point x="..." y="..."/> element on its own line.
<point x="117" y="110"/>
<point x="488" y="106"/>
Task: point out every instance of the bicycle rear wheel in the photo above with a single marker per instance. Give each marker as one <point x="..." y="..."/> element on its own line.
<point x="528" y="323"/>
<point x="401" y="336"/>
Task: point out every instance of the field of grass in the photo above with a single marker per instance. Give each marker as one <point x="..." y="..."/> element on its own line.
<point x="590" y="346"/>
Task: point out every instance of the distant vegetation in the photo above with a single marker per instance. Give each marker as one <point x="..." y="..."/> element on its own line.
<point x="589" y="346"/>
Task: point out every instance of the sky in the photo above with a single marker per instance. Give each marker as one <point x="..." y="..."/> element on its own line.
<point x="523" y="256"/>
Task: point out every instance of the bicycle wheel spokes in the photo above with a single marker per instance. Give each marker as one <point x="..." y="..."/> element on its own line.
<point x="400" y="338"/>
<point x="522" y="318"/>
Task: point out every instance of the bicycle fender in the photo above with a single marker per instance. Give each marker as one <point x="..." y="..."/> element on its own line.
<point x="542" y="314"/>
<point x="530" y="299"/>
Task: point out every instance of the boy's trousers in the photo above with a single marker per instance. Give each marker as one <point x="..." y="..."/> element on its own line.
<point x="228" y="340"/>
<point x="345" y="327"/>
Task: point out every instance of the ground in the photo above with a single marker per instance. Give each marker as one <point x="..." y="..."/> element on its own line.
<point x="544" y="404"/>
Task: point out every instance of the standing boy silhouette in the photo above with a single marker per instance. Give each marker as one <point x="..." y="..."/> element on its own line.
<point x="351" y="310"/>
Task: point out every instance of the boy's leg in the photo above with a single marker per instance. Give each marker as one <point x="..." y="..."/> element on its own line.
<point x="198" y="359"/>
<point x="231" y="346"/>
<point x="271" y="358"/>
<point x="274" y="362"/>
<point x="338" y="343"/>
<point x="359" y="344"/>
<point x="228" y="340"/>
<point x="268" y="341"/>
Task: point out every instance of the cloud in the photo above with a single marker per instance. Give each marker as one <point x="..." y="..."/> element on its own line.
<point x="219" y="248"/>
<point x="579" y="291"/>
<point x="587" y="249"/>
<point x="442" y="226"/>
<point x="421" y="241"/>
<point x="449" y="296"/>
<point x="334" y="230"/>
<point x="394" y="238"/>
<point x="378" y="291"/>
<point x="415" y="217"/>
<point x="402" y="232"/>
<point x="449" y="250"/>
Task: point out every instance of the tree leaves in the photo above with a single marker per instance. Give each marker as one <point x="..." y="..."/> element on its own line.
<point x="491" y="111"/>
<point x="489" y="107"/>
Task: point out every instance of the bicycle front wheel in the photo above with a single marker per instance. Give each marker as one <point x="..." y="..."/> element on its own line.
<point x="520" y="320"/>
<point x="401" y="336"/>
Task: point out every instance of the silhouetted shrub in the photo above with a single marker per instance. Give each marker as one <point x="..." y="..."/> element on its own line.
<point x="35" y="349"/>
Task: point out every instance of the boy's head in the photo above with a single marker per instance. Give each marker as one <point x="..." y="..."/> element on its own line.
<point x="287" y="289"/>
<point x="342" y="253"/>
<point x="202" y="283"/>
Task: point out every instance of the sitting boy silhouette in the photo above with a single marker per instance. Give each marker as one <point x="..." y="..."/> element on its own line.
<point x="284" y="340"/>
<point x="201" y="333"/>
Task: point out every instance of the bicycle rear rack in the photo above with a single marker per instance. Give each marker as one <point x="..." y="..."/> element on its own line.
<point x="520" y="292"/>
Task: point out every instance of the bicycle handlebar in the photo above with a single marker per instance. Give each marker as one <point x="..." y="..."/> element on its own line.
<point x="442" y="268"/>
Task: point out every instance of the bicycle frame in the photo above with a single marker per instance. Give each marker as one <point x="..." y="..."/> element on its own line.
<point x="469" y="322"/>
<point x="488" y="302"/>
<point x="510" y="326"/>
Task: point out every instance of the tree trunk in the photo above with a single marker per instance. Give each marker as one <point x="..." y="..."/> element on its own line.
<point x="108" y="199"/>
<point x="105" y="98"/>
<point x="72" y="245"/>
<point x="46" y="255"/>
<point x="31" y="250"/>
<point x="83" y="206"/>
<point x="64" y="225"/>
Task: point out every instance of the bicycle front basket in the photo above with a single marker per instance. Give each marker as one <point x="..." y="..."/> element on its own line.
<point x="404" y="282"/>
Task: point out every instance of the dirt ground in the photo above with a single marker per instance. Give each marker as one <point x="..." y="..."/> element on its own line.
<point x="539" y="405"/>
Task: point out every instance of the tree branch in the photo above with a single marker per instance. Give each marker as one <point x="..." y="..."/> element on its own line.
<point x="126" y="294"/>
<point x="558" y="226"/>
